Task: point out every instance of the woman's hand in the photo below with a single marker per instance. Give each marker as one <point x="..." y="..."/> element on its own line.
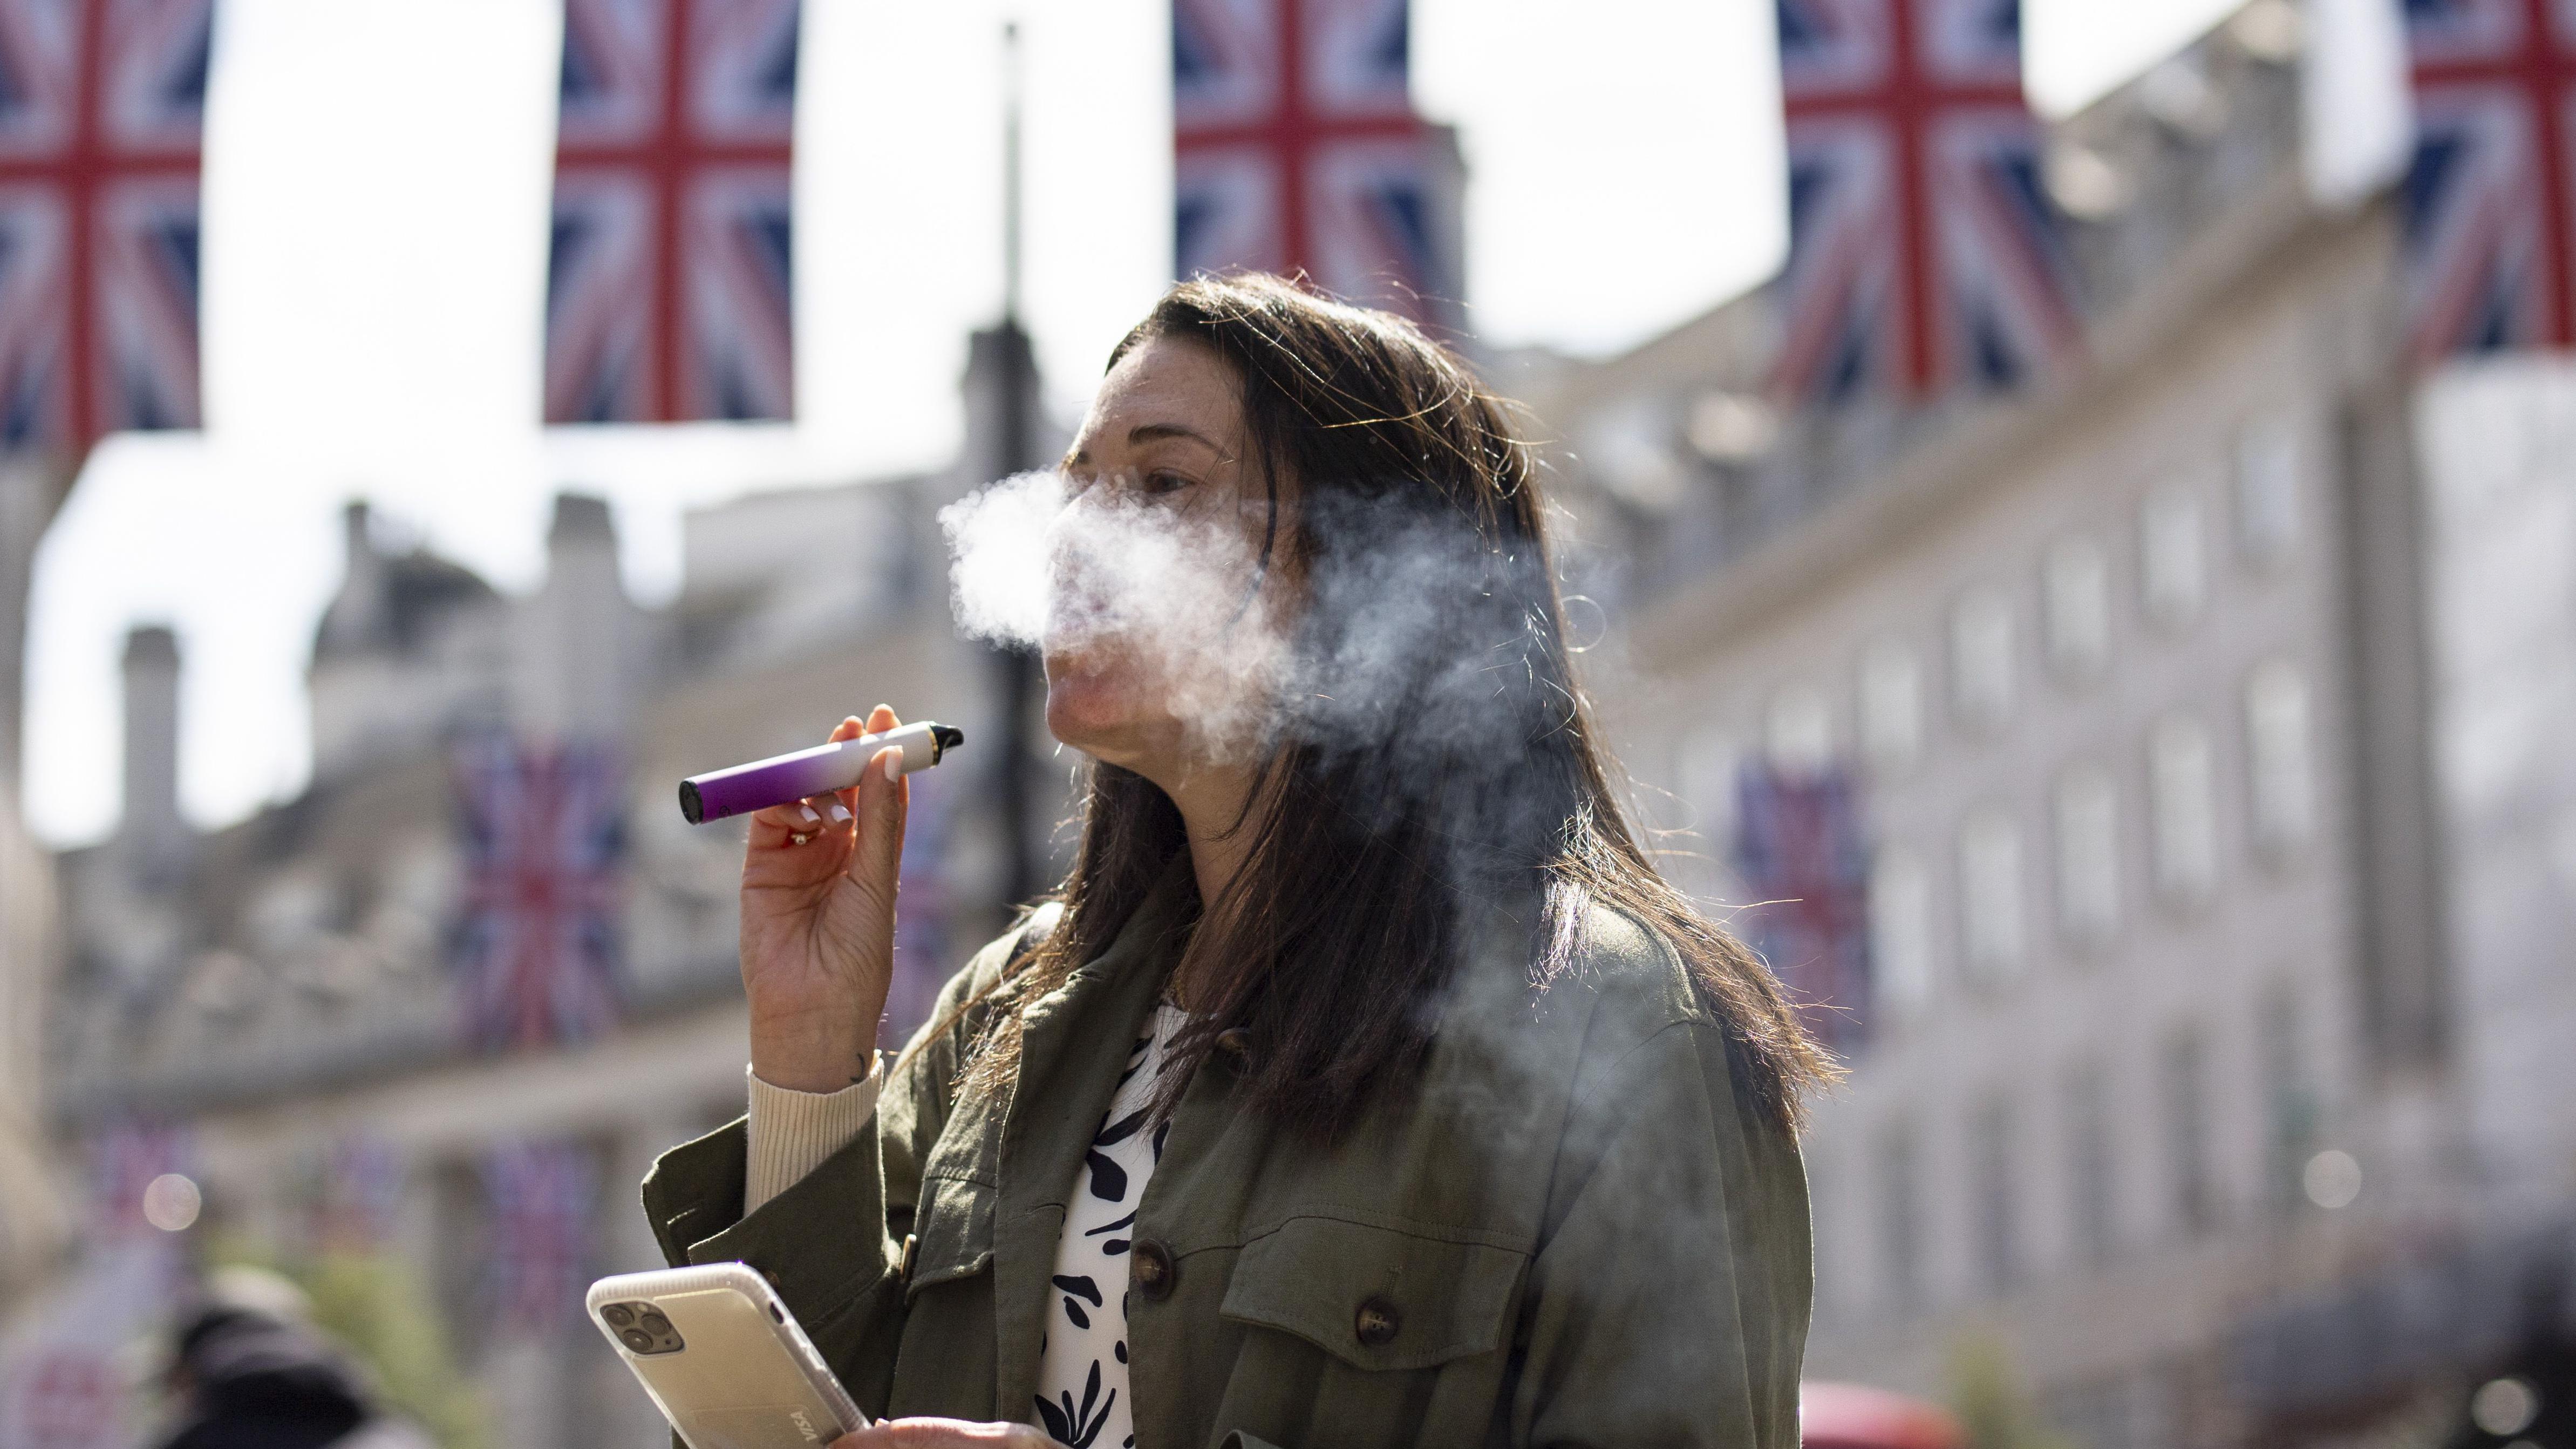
<point x="943" y="1434"/>
<point x="818" y="883"/>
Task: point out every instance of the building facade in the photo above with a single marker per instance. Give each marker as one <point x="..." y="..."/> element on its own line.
<point x="2209" y="873"/>
<point x="320" y="1015"/>
<point x="33" y="1223"/>
<point x="2200" y="707"/>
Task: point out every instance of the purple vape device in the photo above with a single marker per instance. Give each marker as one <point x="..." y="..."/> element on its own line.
<point x="781" y="778"/>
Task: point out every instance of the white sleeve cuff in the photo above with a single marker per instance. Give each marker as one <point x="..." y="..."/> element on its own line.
<point x="792" y="1132"/>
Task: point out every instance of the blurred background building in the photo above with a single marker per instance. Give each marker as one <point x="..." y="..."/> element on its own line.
<point x="445" y="1007"/>
<point x="2128" y="721"/>
<point x="2080" y="622"/>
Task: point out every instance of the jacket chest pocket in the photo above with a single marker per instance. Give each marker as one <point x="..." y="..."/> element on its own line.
<point x="1376" y="1297"/>
<point x="952" y="1234"/>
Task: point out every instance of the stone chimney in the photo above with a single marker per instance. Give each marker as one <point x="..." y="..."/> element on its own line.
<point x="151" y="823"/>
<point x="357" y="611"/>
<point x="574" y="650"/>
<point x="354" y="537"/>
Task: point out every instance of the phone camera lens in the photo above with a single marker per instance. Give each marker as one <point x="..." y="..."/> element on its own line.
<point x="618" y="1315"/>
<point x="655" y="1323"/>
<point x="637" y="1339"/>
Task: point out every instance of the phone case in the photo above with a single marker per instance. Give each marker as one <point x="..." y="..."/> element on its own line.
<point x="744" y="1375"/>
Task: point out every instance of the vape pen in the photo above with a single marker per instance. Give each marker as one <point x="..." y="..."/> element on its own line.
<point x="742" y="789"/>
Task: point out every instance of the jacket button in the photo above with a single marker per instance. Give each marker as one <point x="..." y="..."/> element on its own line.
<point x="1377" y="1323"/>
<point x="1150" y="1265"/>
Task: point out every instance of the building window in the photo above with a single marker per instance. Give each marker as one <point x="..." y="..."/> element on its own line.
<point x="1900" y="930"/>
<point x="1990" y="1160"/>
<point x="1900" y="1218"/>
<point x="2267" y="491"/>
<point x="1891" y="705"/>
<point x="1799" y="732"/>
<point x="2276" y="755"/>
<point x="1990" y="904"/>
<point x="2075" y="608"/>
<point x="2186" y="1111"/>
<point x="2184" y="803"/>
<point x="2291" y="1103"/>
<point x="2172" y="568"/>
<point x="2088" y="855"/>
<point x="1981" y="658"/>
<point x="2088" y="1162"/>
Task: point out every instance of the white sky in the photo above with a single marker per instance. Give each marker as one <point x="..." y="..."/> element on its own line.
<point x="374" y="261"/>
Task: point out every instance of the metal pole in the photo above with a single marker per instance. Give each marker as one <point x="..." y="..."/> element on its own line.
<point x="1011" y="172"/>
<point x="1017" y="681"/>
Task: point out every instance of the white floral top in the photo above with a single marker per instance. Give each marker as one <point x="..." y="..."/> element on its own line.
<point x="1082" y="1371"/>
<point x="1082" y="1368"/>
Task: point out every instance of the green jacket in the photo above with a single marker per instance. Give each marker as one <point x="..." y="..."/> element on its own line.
<point x="1574" y="1230"/>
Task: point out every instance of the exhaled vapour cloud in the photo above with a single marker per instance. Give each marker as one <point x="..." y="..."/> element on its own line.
<point x="1399" y="633"/>
<point x="1167" y="590"/>
<point x="997" y="548"/>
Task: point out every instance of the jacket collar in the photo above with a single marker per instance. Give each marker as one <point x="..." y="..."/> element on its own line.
<point x="1071" y="1053"/>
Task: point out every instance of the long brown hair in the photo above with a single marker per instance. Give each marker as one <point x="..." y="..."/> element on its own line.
<point x="1437" y="764"/>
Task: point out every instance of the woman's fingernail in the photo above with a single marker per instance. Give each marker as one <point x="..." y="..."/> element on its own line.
<point x="893" y="766"/>
<point x="807" y="812"/>
<point x="840" y="813"/>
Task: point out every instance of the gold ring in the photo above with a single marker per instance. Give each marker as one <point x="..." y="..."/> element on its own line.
<point x="797" y="838"/>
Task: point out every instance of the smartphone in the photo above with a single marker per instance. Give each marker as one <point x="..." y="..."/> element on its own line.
<point x="722" y="1358"/>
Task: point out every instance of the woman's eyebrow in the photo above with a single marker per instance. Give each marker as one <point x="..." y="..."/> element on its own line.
<point x="1144" y="433"/>
<point x="1155" y="432"/>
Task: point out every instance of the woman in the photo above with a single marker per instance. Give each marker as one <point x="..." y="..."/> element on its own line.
<point x="1362" y="1084"/>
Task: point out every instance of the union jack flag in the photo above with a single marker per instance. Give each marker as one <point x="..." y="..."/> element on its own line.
<point x="541" y="1196"/>
<point x="1296" y="149"/>
<point x="123" y="1161"/>
<point x="360" y="1195"/>
<point x="1798" y="849"/>
<point x="64" y="1396"/>
<point x="1923" y="251"/>
<point x="102" y="107"/>
<point x="2489" y="255"/>
<point x="667" y="295"/>
<point x="537" y="945"/>
<point x="66" y="1381"/>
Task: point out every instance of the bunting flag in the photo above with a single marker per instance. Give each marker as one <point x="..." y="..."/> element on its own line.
<point x="123" y="1161"/>
<point x="1924" y="254"/>
<point x="359" y="1203"/>
<point x="541" y="1197"/>
<point x="537" y="945"/>
<point x="66" y="1371"/>
<point x="102" y="111"/>
<point x="2490" y="200"/>
<point x="1296" y="149"/>
<point x="67" y="1394"/>
<point x="1799" y="852"/>
<point x="67" y="1376"/>
<point x="667" y="291"/>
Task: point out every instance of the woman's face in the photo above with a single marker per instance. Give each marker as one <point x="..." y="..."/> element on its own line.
<point x="1159" y="643"/>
